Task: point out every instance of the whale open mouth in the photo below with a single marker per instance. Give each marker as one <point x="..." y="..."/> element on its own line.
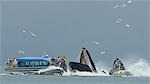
<point x="86" y="63"/>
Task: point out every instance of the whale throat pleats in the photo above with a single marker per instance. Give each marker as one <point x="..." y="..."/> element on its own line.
<point x="85" y="58"/>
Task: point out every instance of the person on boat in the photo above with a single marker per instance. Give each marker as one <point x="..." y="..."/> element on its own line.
<point x="12" y="62"/>
<point x="59" y="61"/>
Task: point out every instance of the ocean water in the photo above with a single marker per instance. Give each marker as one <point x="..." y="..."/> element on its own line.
<point x="139" y="69"/>
<point x="47" y="79"/>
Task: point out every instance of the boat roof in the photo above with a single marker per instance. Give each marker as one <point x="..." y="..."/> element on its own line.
<point x="42" y="58"/>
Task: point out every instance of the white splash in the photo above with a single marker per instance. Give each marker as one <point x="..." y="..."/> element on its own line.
<point x="139" y="68"/>
<point x="2" y="74"/>
<point x="68" y="73"/>
<point x="48" y="69"/>
<point x="102" y="69"/>
<point x="78" y="73"/>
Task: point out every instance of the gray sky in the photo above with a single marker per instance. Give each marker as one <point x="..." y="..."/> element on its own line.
<point x="63" y="28"/>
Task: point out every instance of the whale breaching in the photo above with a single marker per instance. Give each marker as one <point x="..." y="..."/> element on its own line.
<point x="118" y="69"/>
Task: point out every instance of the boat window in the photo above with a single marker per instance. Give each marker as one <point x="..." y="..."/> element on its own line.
<point x="33" y="63"/>
<point x="27" y="63"/>
<point x="41" y="63"/>
<point x="36" y="63"/>
<point x="21" y="64"/>
<point x="45" y="63"/>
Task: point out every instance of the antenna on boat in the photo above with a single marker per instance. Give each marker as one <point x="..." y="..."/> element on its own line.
<point x="45" y="55"/>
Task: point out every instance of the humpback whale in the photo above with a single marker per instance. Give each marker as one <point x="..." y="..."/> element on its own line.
<point x="118" y="69"/>
<point x="86" y="63"/>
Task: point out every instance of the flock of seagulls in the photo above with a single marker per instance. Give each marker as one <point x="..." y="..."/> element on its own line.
<point x="115" y="6"/>
<point x="120" y="20"/>
<point x="31" y="33"/>
<point x="102" y="52"/>
<point x="122" y="5"/>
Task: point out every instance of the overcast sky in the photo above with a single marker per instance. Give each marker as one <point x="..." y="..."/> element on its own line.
<point x="63" y="28"/>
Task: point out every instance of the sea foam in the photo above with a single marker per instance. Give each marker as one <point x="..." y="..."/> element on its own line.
<point x="139" y="68"/>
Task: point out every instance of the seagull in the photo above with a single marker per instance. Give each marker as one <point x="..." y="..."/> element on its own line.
<point x="129" y="1"/>
<point x="23" y="31"/>
<point x="102" y="52"/>
<point x="123" y="5"/>
<point x="21" y="51"/>
<point x="117" y="22"/>
<point x="97" y="43"/>
<point x="119" y="19"/>
<point x="115" y="6"/>
<point x="127" y="25"/>
<point x="34" y="35"/>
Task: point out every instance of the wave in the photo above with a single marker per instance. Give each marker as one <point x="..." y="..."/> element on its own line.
<point x="12" y="73"/>
<point x="3" y="74"/>
<point x="139" y="68"/>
